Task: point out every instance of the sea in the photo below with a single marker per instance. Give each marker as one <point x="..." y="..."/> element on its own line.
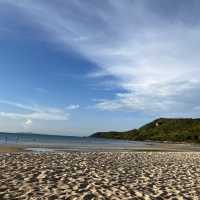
<point x="43" y="142"/>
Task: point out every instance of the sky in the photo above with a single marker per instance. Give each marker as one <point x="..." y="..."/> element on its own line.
<point x="75" y="67"/>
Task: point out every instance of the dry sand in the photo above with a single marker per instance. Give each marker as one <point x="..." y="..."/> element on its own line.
<point x="116" y="175"/>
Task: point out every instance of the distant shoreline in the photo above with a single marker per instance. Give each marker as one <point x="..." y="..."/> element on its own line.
<point x="151" y="147"/>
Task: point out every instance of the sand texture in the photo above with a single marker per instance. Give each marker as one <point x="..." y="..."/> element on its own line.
<point x="136" y="175"/>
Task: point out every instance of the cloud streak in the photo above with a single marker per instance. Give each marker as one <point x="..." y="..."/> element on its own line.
<point x="73" y="107"/>
<point x="35" y="112"/>
<point x="154" y="57"/>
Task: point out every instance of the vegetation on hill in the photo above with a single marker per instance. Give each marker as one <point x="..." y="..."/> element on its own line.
<point x="128" y="135"/>
<point x="163" y="129"/>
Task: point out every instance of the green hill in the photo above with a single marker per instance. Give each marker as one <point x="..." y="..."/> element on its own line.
<point x="163" y="129"/>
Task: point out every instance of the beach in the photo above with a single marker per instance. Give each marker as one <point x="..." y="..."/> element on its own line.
<point x="100" y="175"/>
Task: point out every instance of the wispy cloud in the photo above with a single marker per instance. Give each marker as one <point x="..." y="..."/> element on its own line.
<point x="41" y="90"/>
<point x="153" y="56"/>
<point x="73" y="107"/>
<point x="35" y="112"/>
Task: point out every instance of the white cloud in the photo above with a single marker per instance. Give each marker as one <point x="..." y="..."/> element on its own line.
<point x="73" y="107"/>
<point x="28" y="123"/>
<point x="154" y="58"/>
<point x="41" y="90"/>
<point x="35" y="112"/>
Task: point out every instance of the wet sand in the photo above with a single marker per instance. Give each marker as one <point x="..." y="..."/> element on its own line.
<point x="100" y="175"/>
<point x="9" y="149"/>
<point x="149" y="146"/>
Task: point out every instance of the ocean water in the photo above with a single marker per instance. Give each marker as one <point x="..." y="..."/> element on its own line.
<point x="48" y="142"/>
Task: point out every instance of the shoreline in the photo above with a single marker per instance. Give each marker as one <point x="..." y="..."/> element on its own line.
<point x="151" y="147"/>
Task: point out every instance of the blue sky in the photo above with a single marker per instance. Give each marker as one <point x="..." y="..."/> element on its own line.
<point x="77" y="67"/>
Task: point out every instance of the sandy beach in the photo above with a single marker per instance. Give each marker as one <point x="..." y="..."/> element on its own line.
<point x="92" y="175"/>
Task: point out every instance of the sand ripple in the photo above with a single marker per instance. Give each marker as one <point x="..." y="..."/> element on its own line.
<point x="85" y="176"/>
